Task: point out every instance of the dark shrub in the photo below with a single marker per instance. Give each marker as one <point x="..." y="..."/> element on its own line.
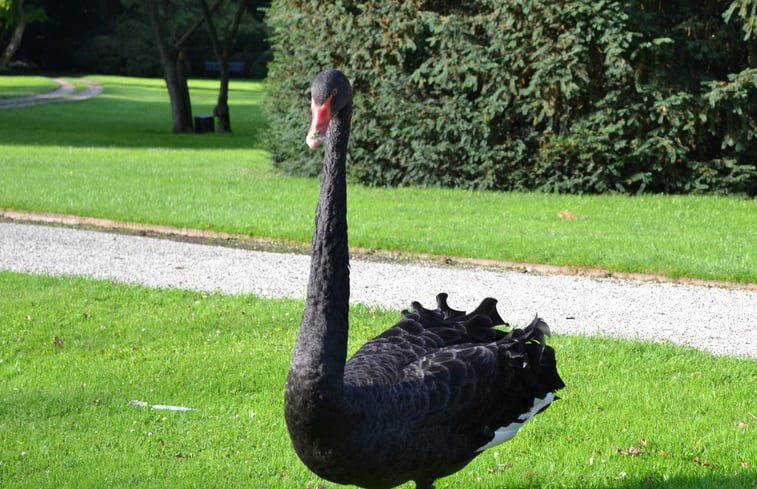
<point x="602" y="96"/>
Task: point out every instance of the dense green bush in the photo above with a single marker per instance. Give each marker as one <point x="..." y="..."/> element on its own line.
<point x="603" y="96"/>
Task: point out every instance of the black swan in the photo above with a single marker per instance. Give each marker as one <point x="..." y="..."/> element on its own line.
<point x="428" y="395"/>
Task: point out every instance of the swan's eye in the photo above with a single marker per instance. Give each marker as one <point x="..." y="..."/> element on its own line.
<point x="334" y="92"/>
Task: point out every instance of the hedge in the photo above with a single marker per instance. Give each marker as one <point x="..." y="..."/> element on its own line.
<point x="595" y="97"/>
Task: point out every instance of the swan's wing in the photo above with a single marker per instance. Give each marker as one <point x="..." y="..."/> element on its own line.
<point x="448" y="404"/>
<point x="445" y="368"/>
<point x="483" y="393"/>
<point x="419" y="332"/>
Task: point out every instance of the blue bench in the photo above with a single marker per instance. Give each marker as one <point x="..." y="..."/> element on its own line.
<point x="235" y="68"/>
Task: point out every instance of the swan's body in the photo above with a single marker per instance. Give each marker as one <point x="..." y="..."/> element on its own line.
<point x="428" y="395"/>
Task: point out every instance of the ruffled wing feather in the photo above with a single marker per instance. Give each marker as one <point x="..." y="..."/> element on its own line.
<point x="447" y="374"/>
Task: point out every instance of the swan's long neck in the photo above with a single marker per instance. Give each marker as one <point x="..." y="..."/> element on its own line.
<point x="323" y="332"/>
<point x="314" y="388"/>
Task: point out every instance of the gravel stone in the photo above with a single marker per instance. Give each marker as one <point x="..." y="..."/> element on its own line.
<point x="722" y="321"/>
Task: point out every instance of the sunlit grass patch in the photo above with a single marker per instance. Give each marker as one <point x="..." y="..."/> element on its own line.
<point x="21" y="86"/>
<point x="75" y="353"/>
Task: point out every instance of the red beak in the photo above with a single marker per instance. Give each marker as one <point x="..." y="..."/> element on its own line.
<point x="321" y="116"/>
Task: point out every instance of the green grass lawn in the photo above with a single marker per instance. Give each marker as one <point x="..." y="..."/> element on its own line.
<point x="633" y="415"/>
<point x="114" y="157"/>
<point x="21" y="86"/>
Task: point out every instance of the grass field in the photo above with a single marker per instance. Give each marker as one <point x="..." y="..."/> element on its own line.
<point x="22" y="86"/>
<point x="114" y="157"/>
<point x="75" y="353"/>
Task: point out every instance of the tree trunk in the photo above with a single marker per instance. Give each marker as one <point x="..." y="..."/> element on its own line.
<point x="221" y="110"/>
<point x="178" y="92"/>
<point x="221" y="50"/>
<point x="15" y="40"/>
<point x="174" y="65"/>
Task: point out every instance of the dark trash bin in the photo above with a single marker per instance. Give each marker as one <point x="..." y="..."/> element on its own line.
<point x="204" y="123"/>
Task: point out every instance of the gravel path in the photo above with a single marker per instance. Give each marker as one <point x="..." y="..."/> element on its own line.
<point x="64" y="93"/>
<point x="718" y="320"/>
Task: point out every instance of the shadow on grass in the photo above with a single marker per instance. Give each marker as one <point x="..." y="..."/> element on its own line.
<point x="708" y="480"/>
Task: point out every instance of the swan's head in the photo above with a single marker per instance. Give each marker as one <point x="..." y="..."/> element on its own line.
<point x="330" y="92"/>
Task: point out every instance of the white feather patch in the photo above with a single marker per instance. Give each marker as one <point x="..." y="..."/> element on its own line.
<point x="509" y="431"/>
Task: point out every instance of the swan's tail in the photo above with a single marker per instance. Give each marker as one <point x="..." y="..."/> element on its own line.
<point x="539" y="357"/>
<point x="528" y="353"/>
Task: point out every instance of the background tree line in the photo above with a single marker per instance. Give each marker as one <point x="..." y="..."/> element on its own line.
<point x="115" y="36"/>
<point x="604" y="96"/>
<point x="168" y="38"/>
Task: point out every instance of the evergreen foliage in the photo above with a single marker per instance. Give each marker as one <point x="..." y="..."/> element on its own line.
<point x="604" y="96"/>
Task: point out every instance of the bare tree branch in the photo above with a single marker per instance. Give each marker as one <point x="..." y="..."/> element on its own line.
<point x="197" y="24"/>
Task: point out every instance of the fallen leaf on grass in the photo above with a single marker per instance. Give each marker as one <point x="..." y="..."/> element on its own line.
<point x="702" y="463"/>
<point x="498" y="468"/>
<point x="568" y="216"/>
<point x="744" y="464"/>
<point x="620" y="476"/>
<point x="632" y="451"/>
<point x="58" y="342"/>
